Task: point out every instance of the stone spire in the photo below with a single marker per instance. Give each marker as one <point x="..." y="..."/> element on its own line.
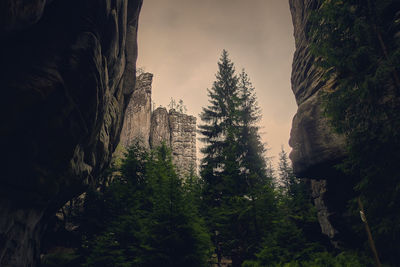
<point x="176" y="129"/>
<point x="137" y="119"/>
<point x="183" y="141"/>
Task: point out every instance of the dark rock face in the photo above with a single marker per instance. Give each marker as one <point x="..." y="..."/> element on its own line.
<point x="315" y="145"/>
<point x="316" y="148"/>
<point x="67" y="70"/>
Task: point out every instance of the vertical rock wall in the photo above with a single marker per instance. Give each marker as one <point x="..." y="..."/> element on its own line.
<point x="315" y="145"/>
<point x="160" y="130"/>
<point x="67" y="72"/>
<point x="316" y="148"/>
<point x="183" y="141"/>
<point x="138" y="113"/>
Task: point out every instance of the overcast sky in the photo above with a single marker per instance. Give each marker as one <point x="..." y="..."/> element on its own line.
<point x="180" y="42"/>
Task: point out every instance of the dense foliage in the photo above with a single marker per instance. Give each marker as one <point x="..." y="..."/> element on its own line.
<point x="294" y="240"/>
<point x="145" y="217"/>
<point x="359" y="48"/>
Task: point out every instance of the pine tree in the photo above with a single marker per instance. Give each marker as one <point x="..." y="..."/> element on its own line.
<point x="236" y="187"/>
<point x="146" y="218"/>
<point x="218" y="132"/>
<point x="250" y="146"/>
<point x="254" y="169"/>
<point x="120" y="214"/>
<point x="218" y="129"/>
<point x="292" y="233"/>
<point x="295" y="193"/>
<point x="286" y="175"/>
<point x="177" y="236"/>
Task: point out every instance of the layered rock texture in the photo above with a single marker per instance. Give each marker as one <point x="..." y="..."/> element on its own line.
<point x="177" y="130"/>
<point x="315" y="145"/>
<point x="316" y="148"/>
<point x="138" y="113"/>
<point x="183" y="141"/>
<point x="160" y="130"/>
<point x="151" y="129"/>
<point x="67" y="73"/>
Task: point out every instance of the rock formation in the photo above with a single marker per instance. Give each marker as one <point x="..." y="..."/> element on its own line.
<point x="176" y="129"/>
<point x="314" y="143"/>
<point x="138" y="113"/>
<point x="183" y="141"/>
<point x="160" y="130"/>
<point x="316" y="148"/>
<point x="318" y="189"/>
<point x="67" y="73"/>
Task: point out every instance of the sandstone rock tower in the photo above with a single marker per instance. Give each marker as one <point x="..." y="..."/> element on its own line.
<point x="176" y="129"/>
<point x="138" y="113"/>
<point x="179" y="131"/>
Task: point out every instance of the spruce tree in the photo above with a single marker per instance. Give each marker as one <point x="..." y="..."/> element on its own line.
<point x="286" y="176"/>
<point x="236" y="187"/>
<point x="292" y="234"/>
<point x="251" y="148"/>
<point x="254" y="169"/>
<point x="176" y="234"/>
<point x="295" y="194"/>
<point x="219" y="119"/>
<point x="146" y="217"/>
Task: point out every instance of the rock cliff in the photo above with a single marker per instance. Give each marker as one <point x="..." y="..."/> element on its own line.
<point x="160" y="130"/>
<point x="176" y="129"/>
<point x="67" y="72"/>
<point x="315" y="145"/>
<point x="183" y="141"/>
<point x="138" y="113"/>
<point x="316" y="149"/>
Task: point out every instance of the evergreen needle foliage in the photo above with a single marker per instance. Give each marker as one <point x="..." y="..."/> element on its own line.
<point x="146" y="216"/>
<point x="236" y="187"/>
<point x="358" y="47"/>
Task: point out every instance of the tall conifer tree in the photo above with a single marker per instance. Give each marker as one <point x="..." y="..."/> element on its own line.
<point x="233" y="168"/>
<point x="219" y="119"/>
<point x="218" y="129"/>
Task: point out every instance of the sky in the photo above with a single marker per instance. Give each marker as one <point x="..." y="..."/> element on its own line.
<point x="181" y="41"/>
